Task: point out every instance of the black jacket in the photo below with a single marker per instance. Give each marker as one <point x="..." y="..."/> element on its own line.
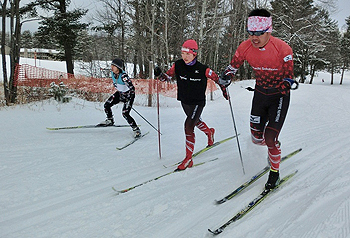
<point x="191" y="82"/>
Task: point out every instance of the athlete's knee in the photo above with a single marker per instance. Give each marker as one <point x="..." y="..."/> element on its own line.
<point x="125" y="114"/>
<point x="107" y="105"/>
<point x="189" y="128"/>
<point x="257" y="140"/>
<point x="270" y="142"/>
<point x="271" y="137"/>
<point x="257" y="136"/>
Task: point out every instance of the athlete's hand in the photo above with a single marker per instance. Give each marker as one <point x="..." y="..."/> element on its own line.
<point x="293" y="84"/>
<point x="287" y="84"/>
<point x="157" y="71"/>
<point x="224" y="92"/>
<point x="224" y="80"/>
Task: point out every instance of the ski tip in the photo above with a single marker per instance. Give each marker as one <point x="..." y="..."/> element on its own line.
<point x="100" y="125"/>
<point x="52" y="128"/>
<point x="296" y="171"/>
<point x="115" y="190"/>
<point x="221" y="201"/>
<point x="215" y="232"/>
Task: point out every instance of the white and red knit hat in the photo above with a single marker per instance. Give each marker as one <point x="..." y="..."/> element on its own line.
<point x="190" y="46"/>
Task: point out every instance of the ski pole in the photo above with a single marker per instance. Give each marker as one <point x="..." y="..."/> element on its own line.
<point x="158" y="114"/>
<point x="146" y="120"/>
<point x="234" y="125"/>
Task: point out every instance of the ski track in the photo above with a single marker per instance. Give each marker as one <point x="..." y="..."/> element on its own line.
<point x="65" y="191"/>
<point x="326" y="179"/>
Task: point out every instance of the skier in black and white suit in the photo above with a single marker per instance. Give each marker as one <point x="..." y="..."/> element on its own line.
<point x="125" y="93"/>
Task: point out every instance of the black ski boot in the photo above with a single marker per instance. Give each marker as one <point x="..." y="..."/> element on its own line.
<point x="273" y="181"/>
<point x="137" y="132"/>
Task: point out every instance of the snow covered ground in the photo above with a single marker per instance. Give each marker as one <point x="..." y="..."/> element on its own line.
<point x="59" y="183"/>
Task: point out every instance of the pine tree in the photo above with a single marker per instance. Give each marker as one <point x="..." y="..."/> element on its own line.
<point x="296" y="21"/>
<point x="26" y="40"/>
<point x="345" y="49"/>
<point x="63" y="27"/>
<point x="332" y="44"/>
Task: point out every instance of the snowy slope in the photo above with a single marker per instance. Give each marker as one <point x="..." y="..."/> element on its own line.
<point x="59" y="183"/>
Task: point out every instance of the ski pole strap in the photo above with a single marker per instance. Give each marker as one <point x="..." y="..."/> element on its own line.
<point x="295" y="85"/>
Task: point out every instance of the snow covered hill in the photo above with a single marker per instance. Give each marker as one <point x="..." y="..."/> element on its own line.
<point x="59" y="183"/>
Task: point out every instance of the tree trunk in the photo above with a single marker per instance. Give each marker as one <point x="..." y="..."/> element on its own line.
<point x="69" y="58"/>
<point x="15" y="32"/>
<point x="201" y="26"/>
<point x="67" y="47"/>
<point x="153" y="11"/>
<point x="3" y="45"/>
<point x="332" y="74"/>
<point x="342" y="74"/>
<point x="166" y="42"/>
<point x="312" y="73"/>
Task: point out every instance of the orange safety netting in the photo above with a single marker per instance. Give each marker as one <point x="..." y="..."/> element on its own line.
<point x="31" y="76"/>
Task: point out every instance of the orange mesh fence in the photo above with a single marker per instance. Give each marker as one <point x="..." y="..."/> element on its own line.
<point x="31" y="76"/>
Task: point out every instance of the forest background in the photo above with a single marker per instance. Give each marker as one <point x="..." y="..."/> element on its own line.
<point x="150" y="32"/>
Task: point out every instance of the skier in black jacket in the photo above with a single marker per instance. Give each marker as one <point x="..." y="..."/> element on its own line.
<point x="191" y="77"/>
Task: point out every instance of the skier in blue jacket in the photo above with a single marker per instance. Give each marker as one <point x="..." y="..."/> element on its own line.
<point x="125" y="93"/>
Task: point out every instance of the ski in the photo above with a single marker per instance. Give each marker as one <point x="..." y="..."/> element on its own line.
<point x="253" y="179"/>
<point x="79" y="127"/>
<point x="132" y="141"/>
<point x="156" y="178"/>
<point x="251" y="205"/>
<point x="205" y="149"/>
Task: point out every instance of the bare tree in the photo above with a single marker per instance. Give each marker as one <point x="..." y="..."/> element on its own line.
<point x="3" y="45"/>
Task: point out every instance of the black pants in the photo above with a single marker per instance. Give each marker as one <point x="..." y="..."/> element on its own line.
<point x="115" y="99"/>
<point x="193" y="113"/>
<point x="268" y="113"/>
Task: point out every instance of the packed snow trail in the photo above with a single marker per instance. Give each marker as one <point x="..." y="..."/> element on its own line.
<point x="58" y="183"/>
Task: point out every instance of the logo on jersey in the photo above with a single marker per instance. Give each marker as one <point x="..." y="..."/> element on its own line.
<point x="192" y="79"/>
<point x="288" y="58"/>
<point x="196" y="71"/>
<point x="254" y="119"/>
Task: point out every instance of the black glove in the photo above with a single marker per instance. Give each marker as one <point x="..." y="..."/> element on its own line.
<point x="157" y="71"/>
<point x="224" y="79"/>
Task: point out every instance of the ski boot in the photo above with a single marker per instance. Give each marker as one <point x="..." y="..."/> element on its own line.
<point x="137" y="132"/>
<point x="186" y="163"/>
<point x="107" y="122"/>
<point x="211" y="137"/>
<point x="273" y="180"/>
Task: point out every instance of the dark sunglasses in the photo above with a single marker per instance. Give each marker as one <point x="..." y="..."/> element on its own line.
<point x="257" y="33"/>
